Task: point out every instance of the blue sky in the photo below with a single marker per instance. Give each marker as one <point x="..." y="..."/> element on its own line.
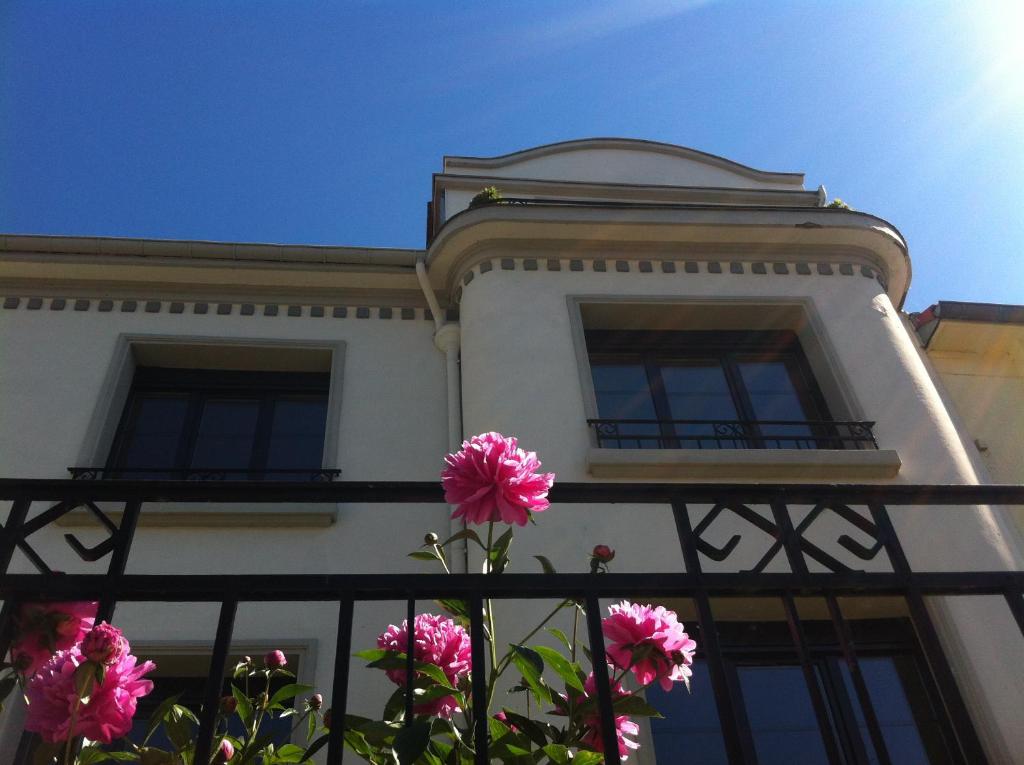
<point x="322" y="122"/>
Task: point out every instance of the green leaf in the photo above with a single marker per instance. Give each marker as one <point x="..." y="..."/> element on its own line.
<point x="561" y="637"/>
<point x="530" y="665"/>
<point x="159" y="714"/>
<point x="320" y="743"/>
<point x="585" y="757"/>
<point x="310" y="726"/>
<point x="394" y="709"/>
<point x="184" y="712"/>
<point x="559" y="754"/>
<point x="464" y="534"/>
<point x="290" y="753"/>
<point x="531" y="730"/>
<point x="395" y="660"/>
<point x="411" y="742"/>
<point x="565" y="669"/>
<point x="151" y="756"/>
<point x="545" y="564"/>
<point x="424" y="555"/>
<point x="91" y="755"/>
<point x="289" y="691"/>
<point x="372" y="654"/>
<point x="498" y="554"/>
<point x="244" y="708"/>
<point x="459" y="608"/>
<point x="634" y="706"/>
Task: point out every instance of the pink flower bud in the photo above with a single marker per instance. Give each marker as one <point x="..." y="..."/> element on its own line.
<point x="316" y="701"/>
<point x="603" y="553"/>
<point x="104" y="644"/>
<point x="275" y="660"/>
<point x="228" y="705"/>
<point x="224" y="752"/>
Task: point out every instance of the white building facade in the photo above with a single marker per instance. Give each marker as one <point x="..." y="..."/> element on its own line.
<point x="636" y="313"/>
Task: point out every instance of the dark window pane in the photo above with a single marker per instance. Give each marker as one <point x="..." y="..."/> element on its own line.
<point x="297" y="434"/>
<point x="227" y="430"/>
<point x="623" y="393"/>
<point x="782" y="719"/>
<point x="699" y="390"/>
<point x="689" y="732"/>
<point x="901" y="705"/>
<point x="774" y="397"/>
<point x="153" y="433"/>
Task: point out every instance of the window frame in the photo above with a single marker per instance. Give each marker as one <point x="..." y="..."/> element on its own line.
<point x="198" y="386"/>
<point x="770" y="644"/>
<point x="653" y="348"/>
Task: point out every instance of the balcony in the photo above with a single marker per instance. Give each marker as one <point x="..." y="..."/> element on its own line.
<point x="864" y="559"/>
<point x="732" y="434"/>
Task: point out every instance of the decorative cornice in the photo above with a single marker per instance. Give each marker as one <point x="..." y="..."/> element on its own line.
<point x="294" y="310"/>
<point x="618" y="266"/>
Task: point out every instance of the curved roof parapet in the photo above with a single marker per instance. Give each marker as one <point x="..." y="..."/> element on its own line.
<point x="623" y="160"/>
<point x="674" y="231"/>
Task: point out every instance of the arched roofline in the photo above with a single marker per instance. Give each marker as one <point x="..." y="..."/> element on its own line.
<point x="628" y="144"/>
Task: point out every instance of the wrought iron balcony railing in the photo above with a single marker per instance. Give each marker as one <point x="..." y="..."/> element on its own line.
<point x="780" y="515"/>
<point x="733" y="434"/>
<point x="202" y="474"/>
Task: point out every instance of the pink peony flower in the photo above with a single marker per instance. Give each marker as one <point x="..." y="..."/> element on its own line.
<point x="665" y="650"/>
<point x="225" y="752"/>
<point x="623" y="725"/>
<point x="439" y="641"/>
<point x="105" y="644"/>
<point x="492" y="479"/>
<point x="501" y="717"/>
<point x="44" y="628"/>
<point x="106" y="716"/>
<point x="275" y="660"/>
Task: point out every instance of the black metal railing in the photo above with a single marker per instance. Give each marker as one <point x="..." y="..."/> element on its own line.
<point x="733" y="434"/>
<point x="202" y="474"/>
<point x="789" y="511"/>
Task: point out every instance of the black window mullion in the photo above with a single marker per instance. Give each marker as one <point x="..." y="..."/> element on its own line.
<point x="843" y="714"/>
<point x="741" y="398"/>
<point x="261" y="441"/>
<point x="190" y="432"/>
<point x="659" y="396"/>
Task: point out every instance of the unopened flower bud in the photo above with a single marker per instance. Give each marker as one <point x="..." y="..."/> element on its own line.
<point x="224" y="752"/>
<point x="603" y="553"/>
<point x="327" y="719"/>
<point x="430" y="539"/>
<point x="275" y="660"/>
<point x="316" y="701"/>
<point x="104" y="644"/>
<point x="228" y="705"/>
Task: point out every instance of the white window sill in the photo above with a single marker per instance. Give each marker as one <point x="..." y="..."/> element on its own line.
<point x="740" y="464"/>
<point x="167" y="515"/>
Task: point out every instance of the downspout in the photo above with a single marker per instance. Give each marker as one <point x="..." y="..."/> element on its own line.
<point x="446" y="340"/>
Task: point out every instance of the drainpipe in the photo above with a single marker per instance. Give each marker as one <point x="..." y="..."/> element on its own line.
<point x="446" y="340"/>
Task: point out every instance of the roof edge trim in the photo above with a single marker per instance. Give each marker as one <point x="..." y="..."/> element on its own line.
<point x="632" y="144"/>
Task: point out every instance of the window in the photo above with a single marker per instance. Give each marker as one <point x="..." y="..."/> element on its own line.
<point x="234" y="425"/>
<point x="186" y="675"/>
<point x="781" y="718"/>
<point x="711" y="390"/>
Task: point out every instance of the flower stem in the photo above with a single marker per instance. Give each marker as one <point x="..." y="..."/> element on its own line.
<point x="490" y="628"/>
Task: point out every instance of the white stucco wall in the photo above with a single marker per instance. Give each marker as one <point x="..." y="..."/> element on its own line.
<point x="393" y="427"/>
<point x="520" y="376"/>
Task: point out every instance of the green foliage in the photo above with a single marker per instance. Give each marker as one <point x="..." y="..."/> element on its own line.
<point x="487" y="196"/>
<point x="838" y="204"/>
